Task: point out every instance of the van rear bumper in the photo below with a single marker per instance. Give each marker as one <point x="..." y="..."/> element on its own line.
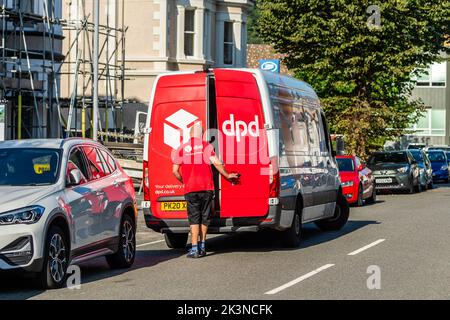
<point x="275" y="219"/>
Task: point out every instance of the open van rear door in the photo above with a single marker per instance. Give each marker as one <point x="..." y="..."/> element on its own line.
<point x="179" y="102"/>
<point x="243" y="146"/>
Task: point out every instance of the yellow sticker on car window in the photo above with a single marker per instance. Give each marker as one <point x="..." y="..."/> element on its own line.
<point x="41" y="168"/>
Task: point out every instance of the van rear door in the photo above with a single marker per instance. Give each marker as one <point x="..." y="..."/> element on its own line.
<point x="179" y="102"/>
<point x="243" y="145"/>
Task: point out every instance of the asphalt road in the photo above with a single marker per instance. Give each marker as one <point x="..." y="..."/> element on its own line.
<point x="404" y="239"/>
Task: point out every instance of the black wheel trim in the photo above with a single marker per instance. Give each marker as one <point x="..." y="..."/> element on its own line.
<point x="57" y="258"/>
<point x="128" y="241"/>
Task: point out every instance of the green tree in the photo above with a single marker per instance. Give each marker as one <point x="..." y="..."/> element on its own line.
<point x="362" y="71"/>
<point x="252" y="23"/>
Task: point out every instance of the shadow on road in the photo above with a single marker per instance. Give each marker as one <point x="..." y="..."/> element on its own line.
<point x="16" y="286"/>
<point x="269" y="240"/>
<point x="366" y="204"/>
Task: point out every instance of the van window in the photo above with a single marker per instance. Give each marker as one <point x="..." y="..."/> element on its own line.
<point x="313" y="124"/>
<point x="293" y="127"/>
<point x="323" y="141"/>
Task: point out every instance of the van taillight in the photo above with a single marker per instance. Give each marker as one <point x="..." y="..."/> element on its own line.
<point x="274" y="185"/>
<point x="146" y="182"/>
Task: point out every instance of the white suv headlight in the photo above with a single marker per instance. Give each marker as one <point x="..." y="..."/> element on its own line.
<point x="403" y="169"/>
<point x="444" y="167"/>
<point x="26" y="215"/>
<point x="347" y="184"/>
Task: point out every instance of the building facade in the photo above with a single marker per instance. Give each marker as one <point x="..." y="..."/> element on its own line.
<point x="432" y="87"/>
<point x="178" y="35"/>
<point x="31" y="52"/>
<point x="160" y="36"/>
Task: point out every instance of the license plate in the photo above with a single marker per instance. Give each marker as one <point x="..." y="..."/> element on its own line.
<point x="387" y="180"/>
<point x="174" y="206"/>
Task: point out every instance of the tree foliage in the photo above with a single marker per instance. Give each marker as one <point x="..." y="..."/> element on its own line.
<point x="362" y="74"/>
<point x="252" y="23"/>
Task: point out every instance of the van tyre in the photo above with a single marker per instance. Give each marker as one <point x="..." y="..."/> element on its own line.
<point x="340" y="218"/>
<point x="56" y="260"/>
<point x="176" y="240"/>
<point x="292" y="236"/>
<point x="124" y="257"/>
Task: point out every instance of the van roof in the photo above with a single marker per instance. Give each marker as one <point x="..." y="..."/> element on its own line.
<point x="281" y="80"/>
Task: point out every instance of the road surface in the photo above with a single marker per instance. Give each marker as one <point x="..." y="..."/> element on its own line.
<point x="397" y="248"/>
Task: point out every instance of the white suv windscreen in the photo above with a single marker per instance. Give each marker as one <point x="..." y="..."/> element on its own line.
<point x="28" y="166"/>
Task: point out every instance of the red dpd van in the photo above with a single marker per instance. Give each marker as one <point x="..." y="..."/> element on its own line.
<point x="269" y="128"/>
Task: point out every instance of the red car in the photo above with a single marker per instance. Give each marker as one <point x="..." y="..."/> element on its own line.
<point x="357" y="180"/>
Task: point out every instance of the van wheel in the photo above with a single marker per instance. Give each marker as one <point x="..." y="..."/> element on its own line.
<point x="373" y="197"/>
<point x="56" y="260"/>
<point x="360" y="201"/>
<point x="176" y="240"/>
<point x="124" y="257"/>
<point x="292" y="236"/>
<point x="340" y="218"/>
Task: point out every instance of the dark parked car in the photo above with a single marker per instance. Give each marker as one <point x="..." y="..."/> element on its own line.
<point x="395" y="170"/>
<point x="425" y="168"/>
<point x="439" y="162"/>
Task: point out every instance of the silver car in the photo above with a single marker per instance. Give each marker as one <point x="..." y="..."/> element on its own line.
<point x="63" y="202"/>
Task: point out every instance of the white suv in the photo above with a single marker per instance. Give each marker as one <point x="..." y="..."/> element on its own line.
<point x="62" y="202"/>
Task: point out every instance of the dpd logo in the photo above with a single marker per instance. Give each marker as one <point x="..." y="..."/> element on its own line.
<point x="177" y="126"/>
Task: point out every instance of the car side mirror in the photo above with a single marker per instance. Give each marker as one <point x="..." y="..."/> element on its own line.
<point x="75" y="177"/>
<point x="361" y="167"/>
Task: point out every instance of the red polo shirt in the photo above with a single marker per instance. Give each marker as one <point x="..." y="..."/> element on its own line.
<point x="194" y="159"/>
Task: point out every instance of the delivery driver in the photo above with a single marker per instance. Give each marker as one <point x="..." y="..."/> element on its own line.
<point x="192" y="167"/>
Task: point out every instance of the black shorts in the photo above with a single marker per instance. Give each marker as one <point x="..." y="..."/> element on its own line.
<point x="199" y="207"/>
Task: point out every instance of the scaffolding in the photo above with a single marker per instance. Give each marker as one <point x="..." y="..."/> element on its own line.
<point x="37" y="107"/>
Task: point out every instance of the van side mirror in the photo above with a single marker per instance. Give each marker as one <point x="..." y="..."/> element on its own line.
<point x="361" y="167"/>
<point x="75" y="177"/>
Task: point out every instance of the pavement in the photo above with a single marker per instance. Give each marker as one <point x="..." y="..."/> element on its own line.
<point x="394" y="249"/>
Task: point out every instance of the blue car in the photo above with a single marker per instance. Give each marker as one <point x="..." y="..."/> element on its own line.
<point x="439" y="163"/>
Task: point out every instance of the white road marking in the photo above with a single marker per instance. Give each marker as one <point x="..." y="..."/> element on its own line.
<point x="366" y="247"/>
<point x="149" y="243"/>
<point x="299" y="279"/>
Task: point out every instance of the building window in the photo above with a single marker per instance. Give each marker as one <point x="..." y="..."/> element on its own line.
<point x="189" y="32"/>
<point x="434" y="76"/>
<point x="431" y="124"/>
<point x="207" y="34"/>
<point x="228" y="44"/>
<point x="26" y="6"/>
